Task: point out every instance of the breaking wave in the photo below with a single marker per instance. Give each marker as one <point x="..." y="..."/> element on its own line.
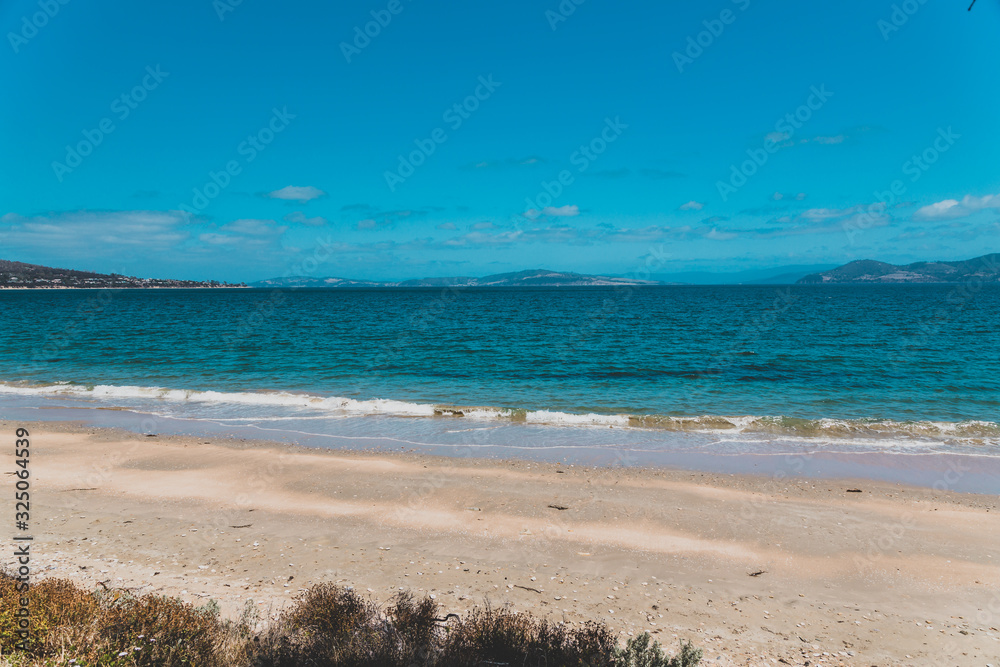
<point x="304" y="404"/>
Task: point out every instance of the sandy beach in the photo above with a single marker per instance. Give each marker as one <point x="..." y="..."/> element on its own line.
<point x="754" y="570"/>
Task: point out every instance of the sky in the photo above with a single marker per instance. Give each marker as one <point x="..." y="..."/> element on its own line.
<point x="389" y="139"/>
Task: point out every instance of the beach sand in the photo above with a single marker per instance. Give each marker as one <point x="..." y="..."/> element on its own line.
<point x="754" y="570"/>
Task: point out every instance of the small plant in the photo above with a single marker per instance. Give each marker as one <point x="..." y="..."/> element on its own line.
<point x="639" y="652"/>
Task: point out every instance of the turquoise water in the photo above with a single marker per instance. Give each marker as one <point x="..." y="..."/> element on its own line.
<point x="688" y="367"/>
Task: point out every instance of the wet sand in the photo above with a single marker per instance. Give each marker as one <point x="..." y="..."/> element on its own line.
<point x="753" y="569"/>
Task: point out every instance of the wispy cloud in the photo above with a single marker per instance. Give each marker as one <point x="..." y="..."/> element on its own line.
<point x="567" y="211"/>
<point x="297" y="193"/>
<point x="139" y="241"/>
<point x="692" y="206"/>
<point x="784" y="139"/>
<point x="528" y="161"/>
<point x="246" y="233"/>
<point x="254" y="227"/>
<point x="825" y="221"/>
<point x="300" y="217"/>
<point x="106" y="233"/>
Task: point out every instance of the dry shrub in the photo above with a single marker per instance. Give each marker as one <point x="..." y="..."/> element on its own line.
<point x="330" y="625"/>
<point x="326" y="626"/>
<point x="489" y="635"/>
<point x="415" y="621"/>
<point x="109" y="627"/>
<point x="166" y="631"/>
<point x="55" y="607"/>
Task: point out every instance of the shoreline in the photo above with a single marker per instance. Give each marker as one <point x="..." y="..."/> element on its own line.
<point x="961" y="471"/>
<point x="842" y="573"/>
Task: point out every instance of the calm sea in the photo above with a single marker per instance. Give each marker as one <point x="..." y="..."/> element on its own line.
<point x="685" y="368"/>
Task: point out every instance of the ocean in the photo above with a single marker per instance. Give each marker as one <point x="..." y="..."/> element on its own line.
<point x="585" y="374"/>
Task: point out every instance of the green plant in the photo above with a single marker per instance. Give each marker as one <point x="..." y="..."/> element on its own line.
<point x="639" y="652"/>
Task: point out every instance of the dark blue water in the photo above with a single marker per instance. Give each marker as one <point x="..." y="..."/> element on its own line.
<point x="893" y="361"/>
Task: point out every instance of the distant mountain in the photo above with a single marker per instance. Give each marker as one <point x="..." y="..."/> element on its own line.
<point x="532" y="278"/>
<point x="18" y="274"/>
<point x="779" y="275"/>
<point x="985" y="268"/>
<point x="304" y="281"/>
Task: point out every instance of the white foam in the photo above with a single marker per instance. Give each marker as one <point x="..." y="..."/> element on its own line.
<point x="376" y="406"/>
<point x="547" y="417"/>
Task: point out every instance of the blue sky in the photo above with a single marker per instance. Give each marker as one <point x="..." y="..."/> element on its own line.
<point x="203" y="139"/>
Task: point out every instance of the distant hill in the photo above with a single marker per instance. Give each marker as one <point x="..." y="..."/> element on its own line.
<point x="19" y="274"/>
<point x="531" y="278"/>
<point x="779" y="275"/>
<point x="985" y="268"/>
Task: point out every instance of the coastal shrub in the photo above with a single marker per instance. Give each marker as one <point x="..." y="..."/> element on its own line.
<point x="489" y="635"/>
<point x="108" y="627"/>
<point x="153" y="630"/>
<point x="415" y="620"/>
<point x="326" y="625"/>
<point x="331" y="625"/>
<point x="55" y="607"/>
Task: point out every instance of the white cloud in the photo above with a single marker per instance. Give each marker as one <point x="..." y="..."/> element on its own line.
<point x="561" y="211"/>
<point x="692" y="206"/>
<point x="556" y="211"/>
<point x="816" y="214"/>
<point x="950" y="209"/>
<point x="297" y="193"/>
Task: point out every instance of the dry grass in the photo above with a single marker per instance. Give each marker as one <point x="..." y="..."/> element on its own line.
<point x="326" y="625"/>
